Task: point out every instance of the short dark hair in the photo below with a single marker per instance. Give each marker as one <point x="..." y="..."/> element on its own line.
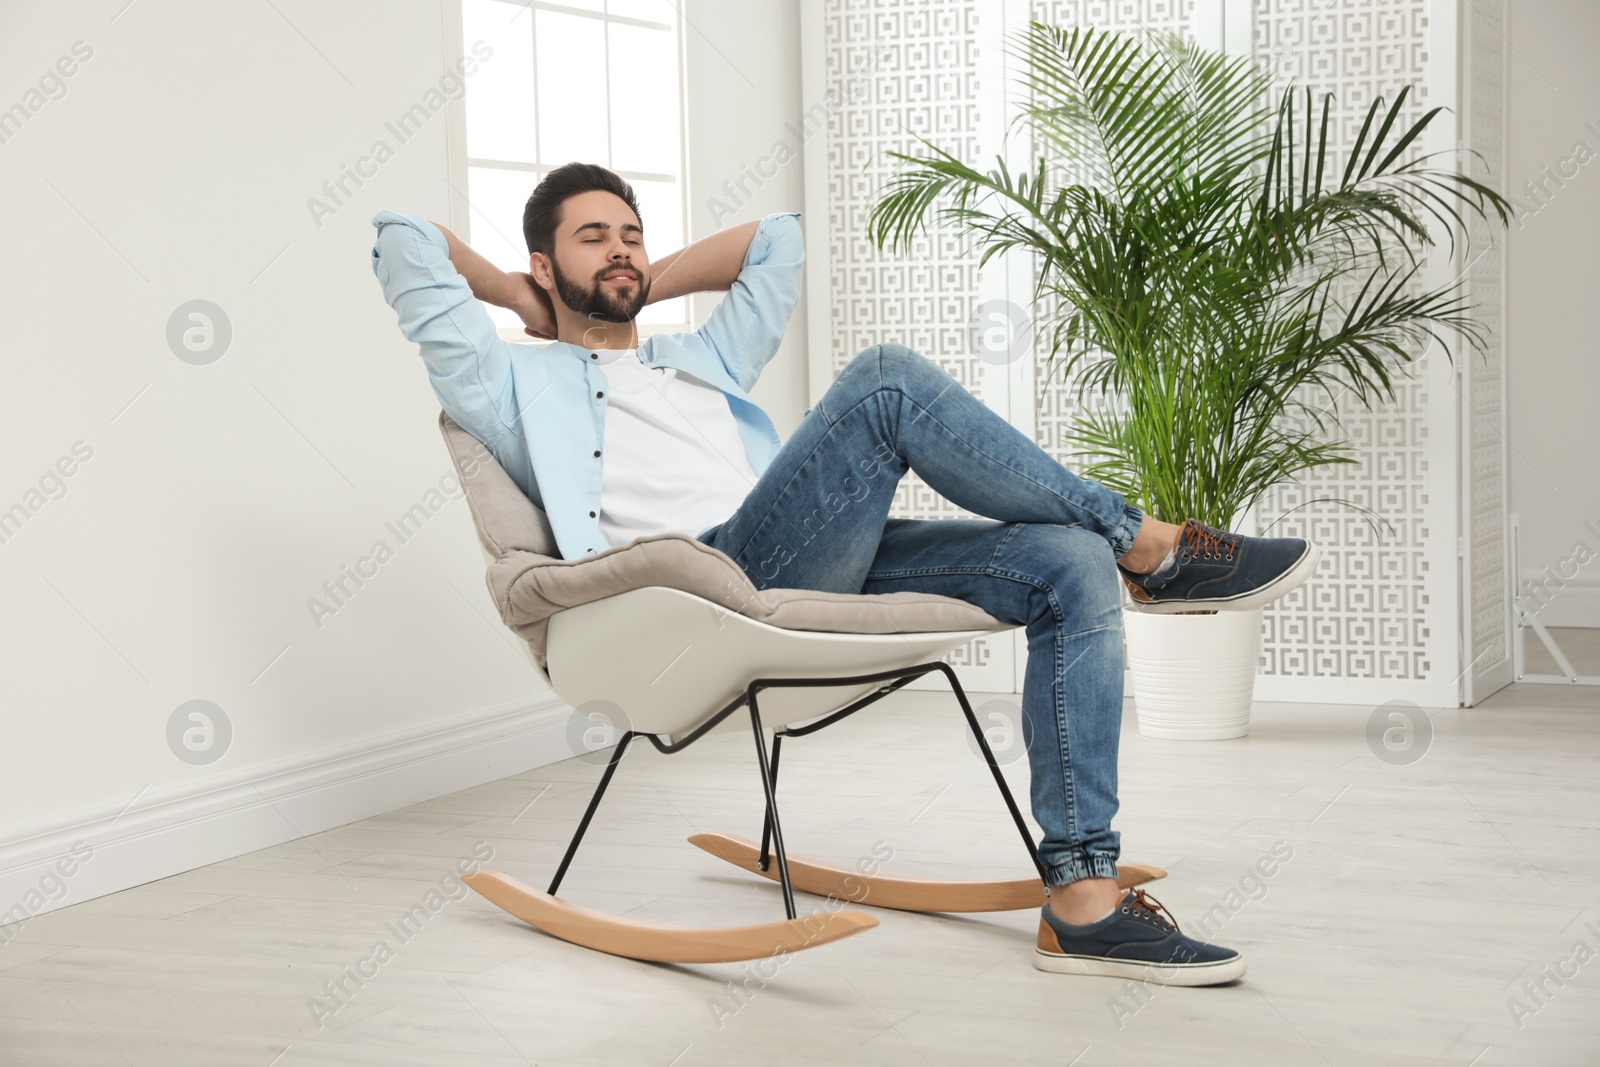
<point x="543" y="211"/>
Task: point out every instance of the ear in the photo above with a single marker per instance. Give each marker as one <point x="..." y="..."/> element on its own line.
<point x="539" y="270"/>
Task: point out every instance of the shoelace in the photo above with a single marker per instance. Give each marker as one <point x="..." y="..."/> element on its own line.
<point x="1142" y="906"/>
<point x="1207" y="542"/>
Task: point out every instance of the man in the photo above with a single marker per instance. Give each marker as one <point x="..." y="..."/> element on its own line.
<point x="615" y="439"/>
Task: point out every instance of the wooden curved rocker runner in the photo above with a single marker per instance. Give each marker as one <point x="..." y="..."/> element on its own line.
<point x="902" y="894"/>
<point x="660" y="942"/>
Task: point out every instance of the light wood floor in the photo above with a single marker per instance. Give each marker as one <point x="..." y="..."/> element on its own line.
<point x="1418" y="900"/>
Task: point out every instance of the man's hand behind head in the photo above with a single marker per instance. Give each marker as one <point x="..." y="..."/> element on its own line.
<point x="533" y="307"/>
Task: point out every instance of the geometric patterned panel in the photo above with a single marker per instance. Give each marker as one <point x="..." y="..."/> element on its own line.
<point x="913" y="68"/>
<point x="1123" y="16"/>
<point x="1490" y="604"/>
<point x="1365" y="613"/>
<point x="922" y="84"/>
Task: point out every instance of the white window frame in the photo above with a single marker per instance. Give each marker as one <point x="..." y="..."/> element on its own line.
<point x="459" y="162"/>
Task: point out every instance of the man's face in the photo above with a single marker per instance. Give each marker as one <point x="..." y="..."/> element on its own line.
<point x="600" y="267"/>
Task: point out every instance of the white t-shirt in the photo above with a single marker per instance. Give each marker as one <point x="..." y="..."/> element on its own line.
<point x="672" y="458"/>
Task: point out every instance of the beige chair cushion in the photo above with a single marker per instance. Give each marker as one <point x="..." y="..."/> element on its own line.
<point x="529" y="582"/>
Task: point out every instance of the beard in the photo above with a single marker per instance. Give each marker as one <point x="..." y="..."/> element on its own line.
<point x="599" y="300"/>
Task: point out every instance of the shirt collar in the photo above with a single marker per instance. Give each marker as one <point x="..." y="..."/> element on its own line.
<point x="567" y="348"/>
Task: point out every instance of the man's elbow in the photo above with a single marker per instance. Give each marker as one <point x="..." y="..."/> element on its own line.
<point x="790" y="240"/>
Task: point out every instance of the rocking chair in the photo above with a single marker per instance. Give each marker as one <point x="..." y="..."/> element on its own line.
<point x="703" y="644"/>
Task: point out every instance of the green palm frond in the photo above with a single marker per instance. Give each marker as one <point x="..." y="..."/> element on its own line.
<point x="1226" y="275"/>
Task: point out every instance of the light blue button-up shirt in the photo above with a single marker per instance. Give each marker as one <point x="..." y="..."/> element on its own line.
<point x="541" y="410"/>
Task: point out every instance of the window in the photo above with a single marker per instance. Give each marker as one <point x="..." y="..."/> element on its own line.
<point x="596" y="81"/>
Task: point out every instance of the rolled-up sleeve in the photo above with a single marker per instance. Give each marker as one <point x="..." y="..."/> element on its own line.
<point x="747" y="325"/>
<point x="468" y="364"/>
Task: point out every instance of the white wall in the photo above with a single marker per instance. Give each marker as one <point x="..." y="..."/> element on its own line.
<point x="744" y="92"/>
<point x="219" y="498"/>
<point x="1554" y="273"/>
<point x="176" y="561"/>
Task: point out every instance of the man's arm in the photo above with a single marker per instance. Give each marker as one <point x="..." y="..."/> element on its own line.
<point x="709" y="264"/>
<point x="492" y="285"/>
<point x="747" y="326"/>
<point x="468" y="365"/>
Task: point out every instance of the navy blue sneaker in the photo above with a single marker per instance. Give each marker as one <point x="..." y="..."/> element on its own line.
<point x="1140" y="941"/>
<point x="1217" y="570"/>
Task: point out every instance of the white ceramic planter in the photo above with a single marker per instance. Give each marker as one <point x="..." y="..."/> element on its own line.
<point x="1193" y="675"/>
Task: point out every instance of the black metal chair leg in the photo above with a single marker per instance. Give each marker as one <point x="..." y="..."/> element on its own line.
<point x="594" y="802"/>
<point x="994" y="767"/>
<point x="766" y="825"/>
<point x="772" y="806"/>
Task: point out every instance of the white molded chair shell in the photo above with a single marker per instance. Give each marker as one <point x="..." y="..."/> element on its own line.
<point x="667" y="660"/>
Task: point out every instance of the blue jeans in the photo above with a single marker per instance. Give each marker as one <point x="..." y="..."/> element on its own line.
<point x="817" y="518"/>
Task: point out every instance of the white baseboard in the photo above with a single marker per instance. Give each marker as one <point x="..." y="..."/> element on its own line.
<point x="69" y="859"/>
<point x="1577" y="603"/>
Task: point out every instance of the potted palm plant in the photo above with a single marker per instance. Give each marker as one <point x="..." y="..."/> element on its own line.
<point x="1213" y="275"/>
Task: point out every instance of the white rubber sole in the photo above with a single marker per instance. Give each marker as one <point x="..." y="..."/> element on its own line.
<point x="1185" y="974"/>
<point x="1286" y="582"/>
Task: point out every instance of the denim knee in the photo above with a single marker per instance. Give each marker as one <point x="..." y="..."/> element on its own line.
<point x="890" y="363"/>
<point x="1075" y="569"/>
<point x="886" y="367"/>
<point x="899" y="365"/>
<point x="913" y="375"/>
